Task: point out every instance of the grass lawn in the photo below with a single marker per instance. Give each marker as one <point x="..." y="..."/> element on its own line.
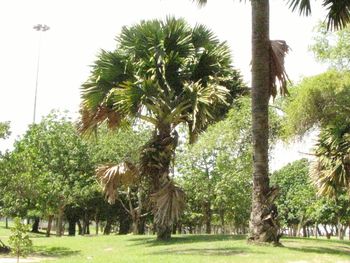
<point x="183" y="248"/>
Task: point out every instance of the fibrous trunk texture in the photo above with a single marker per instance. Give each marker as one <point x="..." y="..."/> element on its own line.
<point x="263" y="227"/>
<point x="155" y="164"/>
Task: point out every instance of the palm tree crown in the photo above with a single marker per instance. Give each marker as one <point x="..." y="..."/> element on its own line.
<point x="164" y="73"/>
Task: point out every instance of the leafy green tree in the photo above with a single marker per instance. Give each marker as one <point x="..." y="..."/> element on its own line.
<point x="332" y="48"/>
<point x="263" y="86"/>
<point x="164" y="74"/>
<point x="296" y="194"/>
<point x="19" y="240"/>
<point x="318" y="102"/>
<point x="48" y="169"/>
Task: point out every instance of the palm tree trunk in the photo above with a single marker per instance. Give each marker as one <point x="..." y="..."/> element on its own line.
<point x="156" y="166"/>
<point x="261" y="229"/>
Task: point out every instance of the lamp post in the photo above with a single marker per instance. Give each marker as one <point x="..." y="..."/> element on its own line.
<point x="40" y="28"/>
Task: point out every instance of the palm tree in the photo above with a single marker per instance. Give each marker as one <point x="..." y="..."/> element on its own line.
<point x="331" y="170"/>
<point x="262" y="226"/>
<point x="164" y="74"/>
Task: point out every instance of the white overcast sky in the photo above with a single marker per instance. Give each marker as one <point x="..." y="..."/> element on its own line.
<point x="80" y="28"/>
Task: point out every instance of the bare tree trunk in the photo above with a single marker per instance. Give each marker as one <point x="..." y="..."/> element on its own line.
<point x="207" y="216"/>
<point x="49" y="225"/>
<point x="59" y="222"/>
<point x="222" y="219"/>
<point x="35" y="227"/>
<point x="80" y="229"/>
<point x="263" y="227"/>
<point x="315" y="230"/>
<point x="6" y="223"/>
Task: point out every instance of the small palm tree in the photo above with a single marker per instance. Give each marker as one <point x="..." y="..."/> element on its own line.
<point x="331" y="170"/>
<point x="165" y="74"/>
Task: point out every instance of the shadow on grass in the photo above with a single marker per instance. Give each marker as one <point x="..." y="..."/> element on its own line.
<point x="54" y="251"/>
<point x="318" y="240"/>
<point x="340" y="251"/>
<point x="232" y="251"/>
<point x="184" y="239"/>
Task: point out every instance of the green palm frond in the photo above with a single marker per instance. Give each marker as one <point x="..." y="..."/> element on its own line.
<point x="338" y="13"/>
<point x="303" y="6"/>
<point x="112" y="177"/>
<point x="201" y="2"/>
<point x="331" y="170"/>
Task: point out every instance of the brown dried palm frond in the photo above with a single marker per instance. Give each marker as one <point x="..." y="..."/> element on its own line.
<point x="112" y="177"/>
<point x="169" y="204"/>
<point x="278" y="77"/>
<point x="90" y="119"/>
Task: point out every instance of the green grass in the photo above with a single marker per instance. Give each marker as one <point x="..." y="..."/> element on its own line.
<point x="184" y="248"/>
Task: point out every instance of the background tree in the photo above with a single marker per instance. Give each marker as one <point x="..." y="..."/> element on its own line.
<point x="332" y="48"/>
<point x="317" y="102"/>
<point x="163" y="73"/>
<point x="48" y="169"/>
<point x="216" y="170"/>
<point x="296" y="195"/>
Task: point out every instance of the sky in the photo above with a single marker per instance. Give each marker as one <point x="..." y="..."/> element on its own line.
<point x="80" y="28"/>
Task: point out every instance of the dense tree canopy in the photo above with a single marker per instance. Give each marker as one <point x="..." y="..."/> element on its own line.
<point x="317" y="102"/>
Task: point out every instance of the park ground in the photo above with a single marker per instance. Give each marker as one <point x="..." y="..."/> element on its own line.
<point x="182" y="248"/>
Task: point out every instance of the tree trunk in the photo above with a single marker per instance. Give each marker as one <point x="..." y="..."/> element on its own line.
<point x="124" y="225"/>
<point x="156" y="166"/>
<point x="80" y="229"/>
<point x="262" y="227"/>
<point x="142" y="225"/>
<point x="35" y="227"/>
<point x="71" y="226"/>
<point x="49" y="225"/>
<point x="59" y="228"/>
<point x="207" y="217"/>
<point x="108" y="227"/>
<point x="315" y="230"/>
<point x="6" y="223"/>
<point x="222" y="220"/>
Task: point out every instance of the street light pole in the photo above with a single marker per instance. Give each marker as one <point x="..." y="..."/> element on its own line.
<point x="40" y="28"/>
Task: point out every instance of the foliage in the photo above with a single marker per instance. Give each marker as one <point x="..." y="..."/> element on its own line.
<point x="19" y="240"/>
<point x="332" y="48"/>
<point x="216" y="170"/>
<point x="296" y="192"/>
<point x="48" y="169"/>
<point x="4" y="130"/>
<point x="318" y="101"/>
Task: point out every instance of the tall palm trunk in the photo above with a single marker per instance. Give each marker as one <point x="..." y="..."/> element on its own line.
<point x="156" y="159"/>
<point x="261" y="230"/>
